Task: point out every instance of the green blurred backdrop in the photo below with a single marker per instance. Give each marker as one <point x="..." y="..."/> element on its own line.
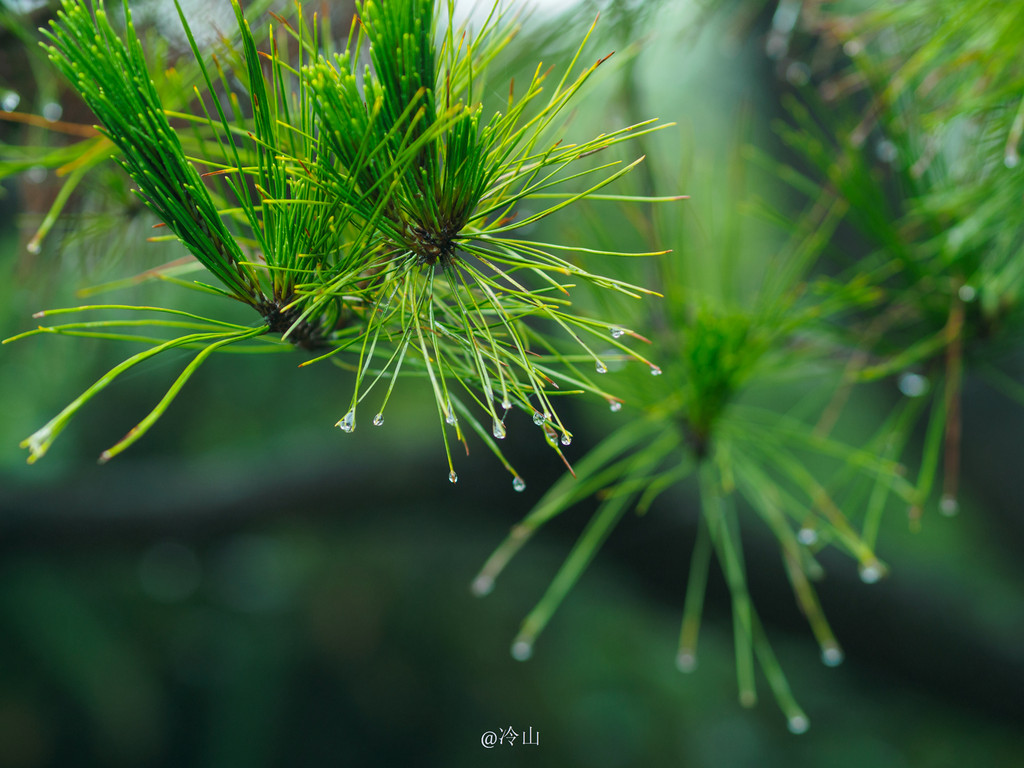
<point x="250" y="587"/>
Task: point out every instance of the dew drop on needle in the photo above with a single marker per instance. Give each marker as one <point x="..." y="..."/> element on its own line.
<point x="348" y="421"/>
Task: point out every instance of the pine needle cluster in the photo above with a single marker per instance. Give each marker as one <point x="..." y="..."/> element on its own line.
<point x="362" y="202"/>
<point x="706" y="425"/>
<point x="367" y="206"/>
<point x="928" y="167"/>
<point x="908" y="120"/>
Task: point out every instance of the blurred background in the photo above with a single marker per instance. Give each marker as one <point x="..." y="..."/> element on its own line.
<point x="250" y="587"/>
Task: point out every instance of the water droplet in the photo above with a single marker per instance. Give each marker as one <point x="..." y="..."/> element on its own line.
<point x="776" y="45"/>
<point x="614" y="406"/>
<point x="33" y="246"/>
<point x="686" y="660"/>
<point x="601" y="367"/>
<point x="798" y="724"/>
<point x="853" y="47"/>
<point x="449" y="414"/>
<point x="1011" y="159"/>
<point x="518" y="484"/>
<point x="522" y="650"/>
<point x="36" y="174"/>
<point x="498" y="429"/>
<point x="482" y="585"/>
<point x="452" y="477"/>
<point x="871" y="572"/>
<point x="378" y="419"/>
<point x="506" y="404"/>
<point x="655" y="370"/>
<point x="798" y="73"/>
<point x="912" y="384"/>
<point x="617" y="333"/>
<point x="10" y="101"/>
<point x="948" y="505"/>
<point x="538" y="418"/>
<point x="566" y="438"/>
<point x="831" y="655"/>
<point x="52" y="111"/>
<point x="886" y="151"/>
<point x="348" y="422"/>
<point x="967" y="293"/>
<point x="807" y="536"/>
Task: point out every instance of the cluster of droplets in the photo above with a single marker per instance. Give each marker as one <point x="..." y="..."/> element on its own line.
<point x="615" y="406"/>
<point x="348" y="421"/>
<point x="348" y="424"/>
<point x="541" y="419"/>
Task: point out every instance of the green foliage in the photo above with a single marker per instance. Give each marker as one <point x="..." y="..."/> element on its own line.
<point x="930" y="174"/>
<point x="726" y="342"/>
<point x="927" y="174"/>
<point x="371" y="212"/>
<point x="368" y="208"/>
